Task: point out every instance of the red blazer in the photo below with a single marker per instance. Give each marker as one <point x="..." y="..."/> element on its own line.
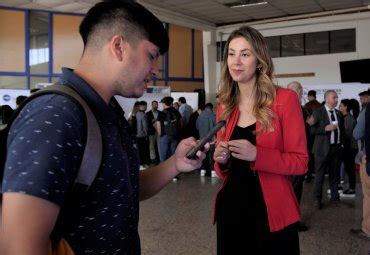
<point x="280" y="154"/>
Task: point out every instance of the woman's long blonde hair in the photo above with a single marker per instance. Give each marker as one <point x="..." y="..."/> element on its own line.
<point x="265" y="89"/>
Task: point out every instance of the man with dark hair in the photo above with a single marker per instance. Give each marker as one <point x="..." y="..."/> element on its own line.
<point x="20" y="100"/>
<point x="364" y="98"/>
<point x="122" y="43"/>
<point x="185" y="111"/>
<point x="312" y="104"/>
<point x="142" y="134"/>
<point x="153" y="116"/>
<point x="170" y="122"/>
<point x="328" y="129"/>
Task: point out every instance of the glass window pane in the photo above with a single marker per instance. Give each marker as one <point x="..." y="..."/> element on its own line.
<point x="274" y="46"/>
<point x="317" y="43"/>
<point x="39" y="42"/>
<point x="292" y="45"/>
<point x="13" y="82"/>
<point x="36" y="80"/>
<point x="343" y="41"/>
<point x="220" y="50"/>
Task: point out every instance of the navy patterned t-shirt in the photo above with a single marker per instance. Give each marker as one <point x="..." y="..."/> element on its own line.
<point x="45" y="147"/>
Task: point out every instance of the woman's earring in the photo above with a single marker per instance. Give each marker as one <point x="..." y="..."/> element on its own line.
<point x="259" y="69"/>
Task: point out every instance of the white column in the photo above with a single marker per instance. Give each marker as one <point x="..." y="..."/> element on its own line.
<point x="209" y="59"/>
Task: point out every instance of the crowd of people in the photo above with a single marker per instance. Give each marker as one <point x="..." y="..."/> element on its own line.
<point x="158" y="132"/>
<point x="270" y="144"/>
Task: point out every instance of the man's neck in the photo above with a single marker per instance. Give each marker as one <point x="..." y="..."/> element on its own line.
<point x="329" y="107"/>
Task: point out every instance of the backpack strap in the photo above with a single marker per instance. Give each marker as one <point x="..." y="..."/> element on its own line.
<point x="93" y="152"/>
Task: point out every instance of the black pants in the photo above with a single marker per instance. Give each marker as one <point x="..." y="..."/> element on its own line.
<point x="332" y="161"/>
<point x="208" y="162"/>
<point x="234" y="238"/>
<point x="349" y="166"/>
<point x="297" y="182"/>
<point x="143" y="144"/>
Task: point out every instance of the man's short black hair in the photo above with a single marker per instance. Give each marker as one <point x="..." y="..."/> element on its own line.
<point x="20" y="99"/>
<point x="128" y="18"/>
<point x="364" y="93"/>
<point x="167" y="101"/>
<point x="208" y="105"/>
<point x="312" y="93"/>
<point x="143" y="103"/>
<point x="182" y="100"/>
<point x="154" y="101"/>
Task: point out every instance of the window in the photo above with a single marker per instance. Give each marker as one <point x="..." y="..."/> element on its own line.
<point x="292" y="45"/>
<point x="343" y="41"/>
<point x="317" y="43"/>
<point x="39" y="42"/>
<point x="274" y="46"/>
<point x="220" y="50"/>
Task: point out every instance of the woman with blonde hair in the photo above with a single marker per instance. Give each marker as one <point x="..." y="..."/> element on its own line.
<point x="262" y="144"/>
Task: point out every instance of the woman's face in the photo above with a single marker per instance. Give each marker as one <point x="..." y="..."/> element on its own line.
<point x="342" y="108"/>
<point x="241" y="61"/>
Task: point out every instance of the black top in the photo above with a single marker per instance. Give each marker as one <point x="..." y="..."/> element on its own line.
<point x="241" y="199"/>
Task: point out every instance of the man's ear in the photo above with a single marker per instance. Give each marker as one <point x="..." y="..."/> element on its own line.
<point x="118" y="46"/>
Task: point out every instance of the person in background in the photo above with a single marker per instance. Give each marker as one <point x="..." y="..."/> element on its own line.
<point x="364" y="98"/>
<point x="263" y="143"/>
<point x="132" y="117"/>
<point x="122" y="44"/>
<point x="20" y="100"/>
<point x="312" y="104"/>
<point x="176" y="105"/>
<point x="355" y="108"/>
<point x="152" y="116"/>
<point x="185" y="111"/>
<point x="142" y="134"/>
<point x="170" y="128"/>
<point x="205" y="122"/>
<point x="193" y="132"/>
<point x="297" y="180"/>
<point x="328" y="147"/>
<point x="350" y="146"/>
<point x="362" y="132"/>
<point x="6" y="113"/>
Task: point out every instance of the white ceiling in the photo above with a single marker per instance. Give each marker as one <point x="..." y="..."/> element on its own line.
<point x="203" y="13"/>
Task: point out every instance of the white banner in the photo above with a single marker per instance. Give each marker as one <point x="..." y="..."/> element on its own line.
<point x="9" y="96"/>
<point x="191" y="98"/>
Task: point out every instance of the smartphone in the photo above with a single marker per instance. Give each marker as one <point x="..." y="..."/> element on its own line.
<point x="192" y="153"/>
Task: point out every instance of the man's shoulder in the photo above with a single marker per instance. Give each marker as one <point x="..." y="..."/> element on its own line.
<point x="58" y="106"/>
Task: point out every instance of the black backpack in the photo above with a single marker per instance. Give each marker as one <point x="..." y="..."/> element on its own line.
<point x="93" y="151"/>
<point x="171" y="123"/>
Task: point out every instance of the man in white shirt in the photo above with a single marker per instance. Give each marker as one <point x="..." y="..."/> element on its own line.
<point x="328" y="129"/>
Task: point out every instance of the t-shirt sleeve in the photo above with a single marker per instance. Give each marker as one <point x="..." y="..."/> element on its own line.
<point x="45" y="148"/>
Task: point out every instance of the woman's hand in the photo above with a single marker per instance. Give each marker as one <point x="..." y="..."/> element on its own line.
<point x="242" y="149"/>
<point x="222" y="153"/>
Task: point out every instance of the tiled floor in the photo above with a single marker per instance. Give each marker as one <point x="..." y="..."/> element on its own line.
<point x="178" y="221"/>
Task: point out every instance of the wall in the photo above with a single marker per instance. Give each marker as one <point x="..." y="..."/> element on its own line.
<point x="325" y="67"/>
<point x="181" y="68"/>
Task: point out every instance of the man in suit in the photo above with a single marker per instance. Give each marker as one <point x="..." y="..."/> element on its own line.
<point x="328" y="129"/>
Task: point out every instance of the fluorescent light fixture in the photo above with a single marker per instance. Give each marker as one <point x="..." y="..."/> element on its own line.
<point x="245" y="4"/>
